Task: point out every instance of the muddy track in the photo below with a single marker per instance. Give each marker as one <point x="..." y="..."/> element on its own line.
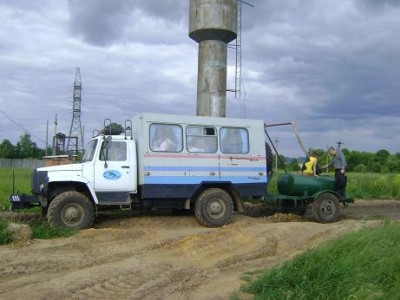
<point x="167" y="257"/>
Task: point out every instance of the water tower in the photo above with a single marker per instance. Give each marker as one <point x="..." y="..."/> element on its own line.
<point x="213" y="24"/>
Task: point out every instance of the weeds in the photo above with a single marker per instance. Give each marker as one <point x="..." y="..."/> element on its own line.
<point x="40" y="228"/>
<point x="5" y="237"/>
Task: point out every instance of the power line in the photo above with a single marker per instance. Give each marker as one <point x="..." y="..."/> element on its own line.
<point x="20" y="126"/>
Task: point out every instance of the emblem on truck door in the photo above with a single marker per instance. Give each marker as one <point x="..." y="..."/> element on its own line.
<point x="112" y="175"/>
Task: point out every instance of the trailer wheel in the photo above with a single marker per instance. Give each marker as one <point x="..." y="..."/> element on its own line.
<point x="326" y="208"/>
<point x="71" y="210"/>
<point x="213" y="207"/>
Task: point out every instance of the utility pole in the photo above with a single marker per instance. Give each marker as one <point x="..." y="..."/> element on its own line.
<point x="276" y="155"/>
<point x="55" y="133"/>
<point x="47" y="137"/>
<point x="339" y="144"/>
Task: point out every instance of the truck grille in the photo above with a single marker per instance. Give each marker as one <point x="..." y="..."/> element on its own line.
<point x="38" y="178"/>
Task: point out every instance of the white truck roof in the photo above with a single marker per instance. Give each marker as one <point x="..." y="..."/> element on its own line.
<point x="188" y="119"/>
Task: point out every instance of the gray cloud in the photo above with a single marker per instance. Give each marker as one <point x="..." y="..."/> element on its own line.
<point x="378" y="6"/>
<point x="349" y="64"/>
<point x="330" y="66"/>
<point x="98" y="22"/>
<point x="104" y="22"/>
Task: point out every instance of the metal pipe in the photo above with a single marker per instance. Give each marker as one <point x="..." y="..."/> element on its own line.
<point x="296" y="132"/>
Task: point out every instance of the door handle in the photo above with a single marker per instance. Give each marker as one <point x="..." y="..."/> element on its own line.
<point x="125" y="167"/>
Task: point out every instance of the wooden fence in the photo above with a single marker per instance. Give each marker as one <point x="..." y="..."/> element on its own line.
<point x="21" y="163"/>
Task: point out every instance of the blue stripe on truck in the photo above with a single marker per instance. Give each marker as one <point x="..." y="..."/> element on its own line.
<point x="207" y="168"/>
<point x="200" y="179"/>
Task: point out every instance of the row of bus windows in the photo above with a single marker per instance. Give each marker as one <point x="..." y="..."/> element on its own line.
<point x="199" y="139"/>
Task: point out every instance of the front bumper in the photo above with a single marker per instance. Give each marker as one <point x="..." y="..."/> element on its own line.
<point x="23" y="201"/>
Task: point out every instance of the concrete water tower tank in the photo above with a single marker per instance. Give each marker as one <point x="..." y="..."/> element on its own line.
<point x="213" y="24"/>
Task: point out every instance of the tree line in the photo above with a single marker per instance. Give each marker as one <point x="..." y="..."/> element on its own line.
<point x="24" y="148"/>
<point x="381" y="161"/>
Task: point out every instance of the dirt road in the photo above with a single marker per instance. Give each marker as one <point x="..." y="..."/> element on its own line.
<point x="167" y="257"/>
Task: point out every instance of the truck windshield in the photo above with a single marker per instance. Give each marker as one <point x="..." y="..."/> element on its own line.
<point x="90" y="150"/>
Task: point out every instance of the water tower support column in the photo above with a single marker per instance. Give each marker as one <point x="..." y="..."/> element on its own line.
<point x="211" y="81"/>
<point x="213" y="24"/>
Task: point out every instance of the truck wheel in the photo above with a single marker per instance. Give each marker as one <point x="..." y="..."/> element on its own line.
<point x="326" y="208"/>
<point x="71" y="210"/>
<point x="213" y="207"/>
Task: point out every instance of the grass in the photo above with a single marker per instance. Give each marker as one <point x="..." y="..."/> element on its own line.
<point x="5" y="237"/>
<point x="22" y="184"/>
<point x="360" y="265"/>
<point x="40" y="228"/>
<point x="373" y="186"/>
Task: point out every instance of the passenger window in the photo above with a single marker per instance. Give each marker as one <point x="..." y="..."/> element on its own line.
<point x="116" y="152"/>
<point x="234" y="140"/>
<point x="201" y="139"/>
<point x="166" y="138"/>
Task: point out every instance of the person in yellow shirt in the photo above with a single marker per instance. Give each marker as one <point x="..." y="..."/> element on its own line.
<point x="311" y="165"/>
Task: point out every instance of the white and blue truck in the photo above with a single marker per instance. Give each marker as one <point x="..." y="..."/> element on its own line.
<point x="207" y="164"/>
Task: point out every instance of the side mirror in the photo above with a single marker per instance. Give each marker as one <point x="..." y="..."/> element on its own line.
<point x="106" y="146"/>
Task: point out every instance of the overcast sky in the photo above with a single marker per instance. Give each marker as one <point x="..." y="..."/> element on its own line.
<point x="333" y="67"/>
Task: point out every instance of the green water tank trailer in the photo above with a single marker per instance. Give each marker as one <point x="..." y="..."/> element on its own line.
<point x="297" y="191"/>
<point x="300" y="185"/>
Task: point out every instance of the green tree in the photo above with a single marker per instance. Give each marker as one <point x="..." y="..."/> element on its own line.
<point x="25" y="147"/>
<point x="281" y="161"/>
<point x="397" y="154"/>
<point x="378" y="160"/>
<point x="374" y="166"/>
<point x="114" y="128"/>
<point x="360" y="168"/>
<point x="294" y="165"/>
<point x="393" y="164"/>
<point x="7" y="149"/>
<point x="357" y="158"/>
<point x="381" y="156"/>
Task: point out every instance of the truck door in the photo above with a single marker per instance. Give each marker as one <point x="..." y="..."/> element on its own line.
<point x="115" y="171"/>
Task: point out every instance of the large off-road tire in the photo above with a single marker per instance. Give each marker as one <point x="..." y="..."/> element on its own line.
<point x="71" y="210"/>
<point x="326" y="208"/>
<point x="213" y="207"/>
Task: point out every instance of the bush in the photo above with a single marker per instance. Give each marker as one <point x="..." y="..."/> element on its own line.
<point x="5" y="236"/>
<point x="360" y="168"/>
<point x="373" y="186"/>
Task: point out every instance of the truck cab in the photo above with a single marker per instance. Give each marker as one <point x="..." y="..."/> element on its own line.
<point x="111" y="165"/>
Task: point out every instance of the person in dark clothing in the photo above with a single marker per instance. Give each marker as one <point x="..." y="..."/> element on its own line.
<point x="339" y="163"/>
